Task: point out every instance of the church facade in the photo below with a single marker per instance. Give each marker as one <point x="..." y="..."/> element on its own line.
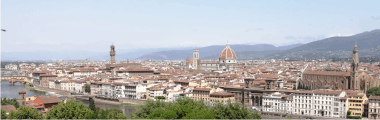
<point x="340" y="80"/>
<point x="227" y="61"/>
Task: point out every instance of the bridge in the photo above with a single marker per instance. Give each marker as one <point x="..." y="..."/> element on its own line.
<point x="13" y="76"/>
<point x="14" y="79"/>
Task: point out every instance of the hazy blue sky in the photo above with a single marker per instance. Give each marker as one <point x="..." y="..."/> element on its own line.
<point x="56" y="25"/>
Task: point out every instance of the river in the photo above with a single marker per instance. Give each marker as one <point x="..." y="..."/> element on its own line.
<point x="11" y="91"/>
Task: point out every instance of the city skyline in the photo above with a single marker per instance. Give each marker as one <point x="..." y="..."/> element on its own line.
<point x="94" y="25"/>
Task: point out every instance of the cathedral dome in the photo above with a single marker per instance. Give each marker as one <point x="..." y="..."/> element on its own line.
<point x="227" y="53"/>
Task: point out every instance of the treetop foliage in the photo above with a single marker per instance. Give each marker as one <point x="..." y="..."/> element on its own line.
<point x="25" y="113"/>
<point x="187" y="108"/>
<point x="373" y="91"/>
<point x="13" y="102"/>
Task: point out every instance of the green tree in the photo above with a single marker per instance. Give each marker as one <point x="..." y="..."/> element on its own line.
<point x="373" y="91"/>
<point x="187" y="108"/>
<point x="69" y="110"/>
<point x="162" y="113"/>
<point x="348" y="112"/>
<point x="164" y="91"/>
<point x="159" y="97"/>
<point x="88" y="88"/>
<point x="3" y="114"/>
<point x="25" y="113"/>
<point x="113" y="113"/>
<point x="234" y="111"/>
<point x="147" y="108"/>
<point x="92" y="104"/>
<point x="13" y="102"/>
<point x="201" y="114"/>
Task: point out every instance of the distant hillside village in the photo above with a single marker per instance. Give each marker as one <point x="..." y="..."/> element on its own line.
<point x="323" y="89"/>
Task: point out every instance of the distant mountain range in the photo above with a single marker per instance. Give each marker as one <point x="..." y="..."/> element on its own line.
<point x="210" y="52"/>
<point x="334" y="47"/>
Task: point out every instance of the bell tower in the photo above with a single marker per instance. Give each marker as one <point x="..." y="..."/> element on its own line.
<point x="355" y="69"/>
<point x="195" y="58"/>
<point x="112" y="54"/>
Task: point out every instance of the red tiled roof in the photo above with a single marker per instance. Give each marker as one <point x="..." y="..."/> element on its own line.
<point x="49" y="99"/>
<point x="327" y="92"/>
<point x="374" y="97"/>
<point x="222" y="94"/>
<point x="307" y="92"/>
<point x="332" y="73"/>
<point x="202" y="89"/>
<point x="45" y="75"/>
<point x="8" y="108"/>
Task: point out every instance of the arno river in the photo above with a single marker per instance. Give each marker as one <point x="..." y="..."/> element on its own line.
<point x="11" y="91"/>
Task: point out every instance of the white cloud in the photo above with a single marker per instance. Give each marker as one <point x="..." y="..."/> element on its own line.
<point x="339" y="35"/>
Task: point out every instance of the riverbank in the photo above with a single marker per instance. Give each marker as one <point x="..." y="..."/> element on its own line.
<point x="97" y="100"/>
<point x="27" y="86"/>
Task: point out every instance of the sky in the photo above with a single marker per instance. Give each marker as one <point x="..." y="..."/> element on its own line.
<point x="93" y="25"/>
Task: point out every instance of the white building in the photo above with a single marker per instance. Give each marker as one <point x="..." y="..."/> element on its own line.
<point x="374" y="107"/>
<point x="321" y="103"/>
<point x="130" y="91"/>
<point x="278" y="103"/>
<point x="154" y="92"/>
<point x="52" y="84"/>
<point x="107" y="90"/>
<point x="11" y="67"/>
<point x="79" y="85"/>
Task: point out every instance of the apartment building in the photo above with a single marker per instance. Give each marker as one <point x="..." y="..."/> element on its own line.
<point x="222" y="97"/>
<point x="154" y="92"/>
<point x="201" y="93"/>
<point x="374" y="107"/>
<point x="321" y="103"/>
<point x="79" y="86"/>
<point x="130" y="91"/>
<point x="277" y="102"/>
<point x="96" y="88"/>
<point x="356" y="104"/>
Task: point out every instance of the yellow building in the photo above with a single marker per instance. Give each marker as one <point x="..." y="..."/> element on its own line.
<point x="222" y="97"/>
<point x="201" y="93"/>
<point x="356" y="104"/>
<point x="30" y="98"/>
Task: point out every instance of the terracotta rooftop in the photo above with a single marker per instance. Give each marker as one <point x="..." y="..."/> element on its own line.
<point x="374" y="97"/>
<point x="227" y="53"/>
<point x="307" y="92"/>
<point x="221" y="94"/>
<point x="8" y="108"/>
<point x="327" y="92"/>
<point x="46" y="75"/>
<point x="49" y="99"/>
<point x="332" y="73"/>
<point x="202" y="89"/>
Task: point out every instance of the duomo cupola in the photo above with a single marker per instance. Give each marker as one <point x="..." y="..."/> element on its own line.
<point x="227" y="55"/>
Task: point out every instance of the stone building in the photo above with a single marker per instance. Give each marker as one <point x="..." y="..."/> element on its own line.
<point x="340" y="80"/>
<point x="112" y="54"/>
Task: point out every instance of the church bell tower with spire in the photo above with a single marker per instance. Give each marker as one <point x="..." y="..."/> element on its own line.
<point x="355" y="69"/>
